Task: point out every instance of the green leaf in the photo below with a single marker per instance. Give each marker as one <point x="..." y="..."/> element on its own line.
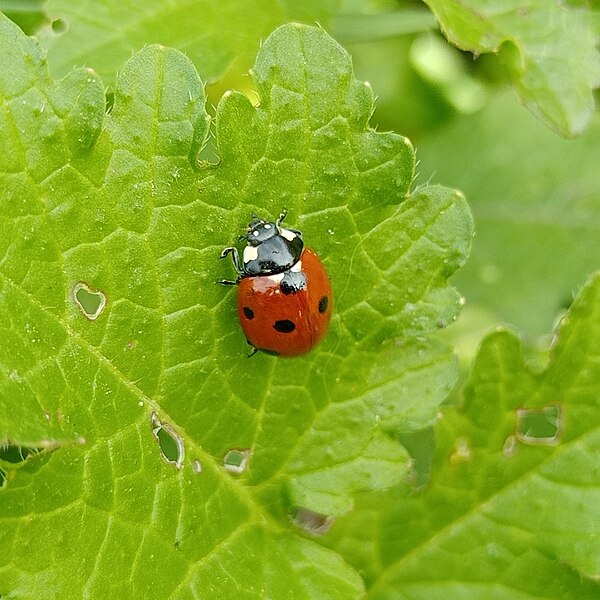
<point x="354" y="27"/>
<point x="537" y="208"/>
<point x="196" y="457"/>
<point x="29" y="15"/>
<point x="550" y="49"/>
<point x="514" y="499"/>
<point x="103" y="34"/>
<point x="30" y="340"/>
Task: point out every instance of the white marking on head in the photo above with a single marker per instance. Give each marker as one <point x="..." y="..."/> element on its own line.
<point x="288" y="235"/>
<point x="297" y="267"/>
<point x="267" y="225"/>
<point x="255" y="233"/>
<point x="250" y="253"/>
<point x="276" y="278"/>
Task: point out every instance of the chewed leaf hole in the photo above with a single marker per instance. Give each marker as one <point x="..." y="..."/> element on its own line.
<point x="310" y="521"/>
<point x="13" y="456"/>
<point x="539" y="426"/>
<point x="236" y="460"/>
<point x="59" y="26"/>
<point x="170" y="443"/>
<point x="16" y="454"/>
<point x="91" y="302"/>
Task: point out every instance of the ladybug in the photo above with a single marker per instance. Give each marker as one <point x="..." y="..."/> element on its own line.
<point x="284" y="298"/>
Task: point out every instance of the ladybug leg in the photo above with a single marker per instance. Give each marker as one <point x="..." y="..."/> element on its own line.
<point x="236" y="263"/>
<point x="281" y="217"/>
<point x="254" y="348"/>
<point x="235" y="256"/>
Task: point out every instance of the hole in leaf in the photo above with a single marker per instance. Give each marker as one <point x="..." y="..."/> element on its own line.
<point x="539" y="426"/>
<point x="91" y="302"/>
<point x="170" y="443"/>
<point x="236" y="461"/>
<point x="59" y="26"/>
<point x="311" y="521"/>
<point x="13" y="456"/>
<point x="16" y="454"/>
<point x="110" y="101"/>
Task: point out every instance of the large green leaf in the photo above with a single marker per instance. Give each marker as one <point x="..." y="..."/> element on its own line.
<point x="513" y="504"/>
<point x="550" y="48"/>
<point x="190" y="458"/>
<point x="102" y="34"/>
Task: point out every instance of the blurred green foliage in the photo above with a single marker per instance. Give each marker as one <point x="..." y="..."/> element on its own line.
<point x="535" y="195"/>
<point x="29" y="15"/>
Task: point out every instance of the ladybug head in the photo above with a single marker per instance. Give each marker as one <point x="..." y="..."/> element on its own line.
<point x="260" y="231"/>
<point x="270" y="249"/>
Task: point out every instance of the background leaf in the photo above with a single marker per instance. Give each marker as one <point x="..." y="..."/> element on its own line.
<point x="550" y="49"/>
<point x="102" y="35"/>
<point x="27" y="14"/>
<point x="537" y="208"/>
<point x="508" y="513"/>
<point x="120" y="211"/>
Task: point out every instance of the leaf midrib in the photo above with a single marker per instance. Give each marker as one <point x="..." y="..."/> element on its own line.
<point x="479" y="509"/>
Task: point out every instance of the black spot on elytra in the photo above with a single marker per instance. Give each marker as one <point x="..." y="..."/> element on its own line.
<point x="284" y="326"/>
<point x="323" y="304"/>
<point x="248" y="312"/>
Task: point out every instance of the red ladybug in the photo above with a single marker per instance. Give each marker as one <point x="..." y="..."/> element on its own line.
<point x="284" y="297"/>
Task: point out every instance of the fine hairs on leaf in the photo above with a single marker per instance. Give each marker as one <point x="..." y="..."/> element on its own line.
<point x="179" y="467"/>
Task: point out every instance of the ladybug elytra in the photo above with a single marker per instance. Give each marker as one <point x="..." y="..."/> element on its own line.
<point x="284" y="298"/>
